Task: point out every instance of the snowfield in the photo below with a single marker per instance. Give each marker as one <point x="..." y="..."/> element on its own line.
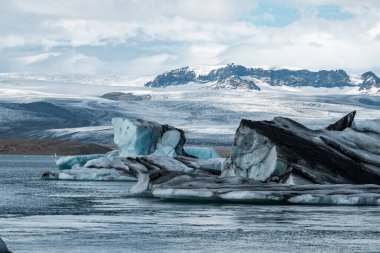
<point x="73" y="110"/>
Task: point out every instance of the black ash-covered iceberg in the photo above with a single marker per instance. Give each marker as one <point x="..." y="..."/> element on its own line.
<point x="278" y="161"/>
<point x="285" y="151"/>
<point x="3" y="247"/>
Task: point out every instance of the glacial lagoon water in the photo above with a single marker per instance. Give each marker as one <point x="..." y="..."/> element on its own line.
<point x="67" y="216"/>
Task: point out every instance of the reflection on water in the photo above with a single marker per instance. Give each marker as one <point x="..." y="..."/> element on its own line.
<point x="58" y="216"/>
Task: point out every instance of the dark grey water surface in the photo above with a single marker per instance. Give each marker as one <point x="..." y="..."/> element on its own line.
<point x="66" y="216"/>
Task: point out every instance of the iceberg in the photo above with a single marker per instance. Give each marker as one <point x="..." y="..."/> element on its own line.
<point x="255" y="193"/>
<point x="284" y="151"/>
<point x="343" y="123"/>
<point x="133" y="138"/>
<point x="253" y="156"/>
<point x="167" y="144"/>
<point x="102" y="160"/>
<point x="203" y="153"/>
<point x="3" y="247"/>
<point x="140" y="137"/>
<point x="371" y="126"/>
<point x="271" y="162"/>
<point x="90" y="174"/>
<point x="71" y="162"/>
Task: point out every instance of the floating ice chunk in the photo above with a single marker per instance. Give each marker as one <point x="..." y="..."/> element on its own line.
<point x="183" y="194"/>
<point x="113" y="153"/>
<point x="249" y="191"/>
<point x="104" y="161"/>
<point x="3" y="247"/>
<point x="139" y="138"/>
<point x="296" y="180"/>
<point x="135" y="138"/>
<point x="335" y="200"/>
<point x="94" y="174"/>
<point x="168" y="163"/>
<point x="343" y="123"/>
<point x="353" y="125"/>
<point x="363" y="146"/>
<point x="202" y="153"/>
<point x="265" y="168"/>
<point x="212" y="164"/>
<point x="168" y="143"/>
<point x="269" y="150"/>
<point x="70" y="162"/>
<point x="65" y="176"/>
<point x="371" y="126"/>
<point x="142" y="184"/>
<point x="98" y="162"/>
<point x="253" y="155"/>
<point x="253" y="197"/>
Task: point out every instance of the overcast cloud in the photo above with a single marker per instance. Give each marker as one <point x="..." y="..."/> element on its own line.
<point x="140" y="38"/>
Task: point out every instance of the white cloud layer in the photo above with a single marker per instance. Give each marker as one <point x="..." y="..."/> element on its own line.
<point x="146" y="37"/>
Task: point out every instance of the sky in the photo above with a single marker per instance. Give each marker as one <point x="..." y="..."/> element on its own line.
<point x="140" y="38"/>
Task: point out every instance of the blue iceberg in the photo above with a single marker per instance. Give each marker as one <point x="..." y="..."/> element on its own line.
<point x="140" y="137"/>
<point x="203" y="153"/>
<point x="71" y="162"/>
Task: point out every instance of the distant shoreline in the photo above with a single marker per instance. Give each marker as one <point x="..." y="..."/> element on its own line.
<point x="62" y="148"/>
<point x="49" y="147"/>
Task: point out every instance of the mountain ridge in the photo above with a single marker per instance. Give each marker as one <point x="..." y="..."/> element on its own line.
<point x="234" y="76"/>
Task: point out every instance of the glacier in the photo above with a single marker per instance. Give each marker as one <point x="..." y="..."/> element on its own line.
<point x="208" y="116"/>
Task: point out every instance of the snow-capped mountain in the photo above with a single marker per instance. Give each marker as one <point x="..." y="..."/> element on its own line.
<point x="370" y="82"/>
<point x="234" y="76"/>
